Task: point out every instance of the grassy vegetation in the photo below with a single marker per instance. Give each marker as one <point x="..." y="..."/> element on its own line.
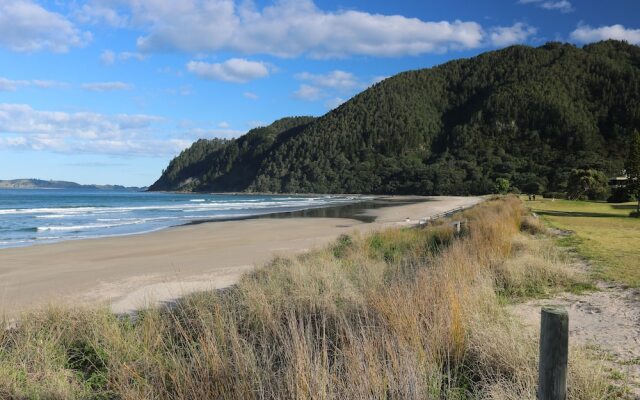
<point x="603" y="233"/>
<point x="399" y="314"/>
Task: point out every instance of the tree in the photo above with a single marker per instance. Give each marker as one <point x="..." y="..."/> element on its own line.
<point x="531" y="188"/>
<point x="502" y="185"/>
<point x="586" y="184"/>
<point x="633" y="169"/>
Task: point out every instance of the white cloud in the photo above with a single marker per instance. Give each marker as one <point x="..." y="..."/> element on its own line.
<point x="337" y="79"/>
<point x="563" y="6"/>
<point x="308" y="93"/>
<point x="10" y="85"/>
<point x="101" y="12"/>
<point x="108" y="57"/>
<point x="26" y="26"/>
<point x="284" y="28"/>
<point x="105" y="86"/>
<point x="587" y="34"/>
<point x="224" y="125"/>
<point x="332" y="86"/>
<point x="131" y="55"/>
<point x="238" y="70"/>
<point x="507" y="35"/>
<point x="250" y="95"/>
<point x="22" y="127"/>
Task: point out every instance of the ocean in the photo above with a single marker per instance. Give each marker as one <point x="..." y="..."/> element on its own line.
<point x="34" y="216"/>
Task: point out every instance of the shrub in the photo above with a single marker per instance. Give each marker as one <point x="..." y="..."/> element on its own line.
<point x="620" y="195"/>
<point x="532" y="225"/>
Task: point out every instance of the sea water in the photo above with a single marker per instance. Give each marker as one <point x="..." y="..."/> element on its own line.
<point x="30" y="216"/>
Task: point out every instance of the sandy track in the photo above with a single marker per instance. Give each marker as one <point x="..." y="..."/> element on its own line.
<point x="607" y="320"/>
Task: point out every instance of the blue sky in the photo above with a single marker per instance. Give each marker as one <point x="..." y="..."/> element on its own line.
<point x="108" y="91"/>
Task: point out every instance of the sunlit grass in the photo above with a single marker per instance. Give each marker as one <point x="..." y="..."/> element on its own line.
<point x="398" y="314"/>
<point x="603" y="233"/>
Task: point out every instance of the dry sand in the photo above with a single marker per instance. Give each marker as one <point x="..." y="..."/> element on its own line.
<point x="129" y="272"/>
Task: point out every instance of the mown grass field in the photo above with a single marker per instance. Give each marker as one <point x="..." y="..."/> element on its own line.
<point x="603" y="233"/>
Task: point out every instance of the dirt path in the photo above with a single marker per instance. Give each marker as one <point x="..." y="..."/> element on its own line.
<point x="607" y="321"/>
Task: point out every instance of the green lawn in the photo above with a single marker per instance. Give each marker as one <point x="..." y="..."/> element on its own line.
<point x="604" y="233"/>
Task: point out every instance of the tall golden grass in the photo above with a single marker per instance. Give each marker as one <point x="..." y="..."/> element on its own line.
<point x="398" y="314"/>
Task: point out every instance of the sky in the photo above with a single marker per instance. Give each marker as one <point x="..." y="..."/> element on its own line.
<point x="108" y="91"/>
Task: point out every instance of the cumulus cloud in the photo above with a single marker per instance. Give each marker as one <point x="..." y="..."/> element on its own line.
<point x="23" y="127"/>
<point x="237" y="70"/>
<point x="285" y="28"/>
<point x="507" y="35"/>
<point x="10" y="85"/>
<point x="26" y="26"/>
<point x="105" y="86"/>
<point x="563" y="6"/>
<point x="587" y="34"/>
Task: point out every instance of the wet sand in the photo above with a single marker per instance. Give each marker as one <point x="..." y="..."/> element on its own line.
<point x="129" y="272"/>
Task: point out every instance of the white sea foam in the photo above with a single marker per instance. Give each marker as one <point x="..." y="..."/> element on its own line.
<point x="87" y="227"/>
<point x="201" y="204"/>
<point x="61" y="222"/>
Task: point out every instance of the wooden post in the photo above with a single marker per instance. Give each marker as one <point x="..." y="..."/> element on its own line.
<point x="456" y="225"/>
<point x="554" y="354"/>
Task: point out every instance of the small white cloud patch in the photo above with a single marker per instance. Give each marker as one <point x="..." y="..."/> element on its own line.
<point x="308" y="93"/>
<point x="337" y="79"/>
<point x="105" y="86"/>
<point x="250" y="95"/>
<point x="563" y="6"/>
<point x="507" y="35"/>
<point x="237" y="70"/>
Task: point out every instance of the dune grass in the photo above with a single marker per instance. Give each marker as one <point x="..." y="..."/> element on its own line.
<point x="602" y="232"/>
<point x="398" y="314"/>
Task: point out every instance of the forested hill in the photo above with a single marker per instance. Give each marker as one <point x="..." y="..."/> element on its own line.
<point x="526" y="114"/>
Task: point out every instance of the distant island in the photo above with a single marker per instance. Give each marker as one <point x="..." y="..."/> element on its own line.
<point x="43" y="184"/>
<point x="523" y="115"/>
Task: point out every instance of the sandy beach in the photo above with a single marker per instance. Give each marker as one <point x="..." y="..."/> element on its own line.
<point x="129" y="272"/>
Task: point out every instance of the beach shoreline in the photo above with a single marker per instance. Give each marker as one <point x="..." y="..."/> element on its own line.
<point x="130" y="272"/>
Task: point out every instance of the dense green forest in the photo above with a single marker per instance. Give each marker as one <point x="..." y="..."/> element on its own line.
<point x="528" y="115"/>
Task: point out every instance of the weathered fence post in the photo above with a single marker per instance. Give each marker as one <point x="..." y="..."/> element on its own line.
<point x="457" y="225"/>
<point x="554" y="354"/>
